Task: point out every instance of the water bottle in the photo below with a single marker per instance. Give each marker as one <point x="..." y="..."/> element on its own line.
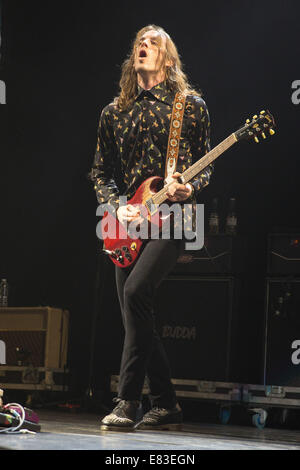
<point x="4" y="293"/>
<point x="214" y="218"/>
<point x="231" y="220"/>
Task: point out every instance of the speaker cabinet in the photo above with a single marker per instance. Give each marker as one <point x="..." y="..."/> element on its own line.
<point x="193" y="316"/>
<point x="194" y="319"/>
<point x="221" y="255"/>
<point x="282" y="332"/>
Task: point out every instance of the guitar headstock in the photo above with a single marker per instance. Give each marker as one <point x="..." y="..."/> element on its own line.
<point x="258" y="127"/>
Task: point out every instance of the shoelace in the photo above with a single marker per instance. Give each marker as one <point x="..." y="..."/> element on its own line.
<point x="156" y="411"/>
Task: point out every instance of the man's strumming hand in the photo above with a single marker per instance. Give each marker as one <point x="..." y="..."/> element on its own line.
<point x="129" y="213"/>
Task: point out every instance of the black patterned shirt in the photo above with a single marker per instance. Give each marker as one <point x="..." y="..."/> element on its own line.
<point x="135" y="142"/>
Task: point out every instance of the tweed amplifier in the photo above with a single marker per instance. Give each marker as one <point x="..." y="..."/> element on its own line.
<point x="36" y="336"/>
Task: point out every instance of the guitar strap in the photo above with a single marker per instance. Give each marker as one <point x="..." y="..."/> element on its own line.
<point x="174" y="136"/>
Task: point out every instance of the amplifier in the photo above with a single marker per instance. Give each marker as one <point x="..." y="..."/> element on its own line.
<point x="284" y="254"/>
<point x="37" y="336"/>
<point x="194" y="318"/>
<point x="282" y="333"/>
<point x="221" y="254"/>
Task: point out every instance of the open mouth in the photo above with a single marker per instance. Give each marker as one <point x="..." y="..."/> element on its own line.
<point x="142" y="53"/>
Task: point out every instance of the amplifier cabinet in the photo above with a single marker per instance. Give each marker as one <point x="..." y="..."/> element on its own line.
<point x="221" y="254"/>
<point x="37" y="336"/>
<point x="194" y="320"/>
<point x="193" y="317"/>
<point x="282" y="332"/>
<point x="284" y="254"/>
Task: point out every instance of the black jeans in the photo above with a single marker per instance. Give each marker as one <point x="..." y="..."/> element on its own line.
<point x="143" y="353"/>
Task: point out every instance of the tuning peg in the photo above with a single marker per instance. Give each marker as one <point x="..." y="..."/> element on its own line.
<point x="255" y="116"/>
<point x="263" y="112"/>
<point x="248" y="121"/>
<point x="263" y="135"/>
<point x="272" y="132"/>
<point x="256" y="139"/>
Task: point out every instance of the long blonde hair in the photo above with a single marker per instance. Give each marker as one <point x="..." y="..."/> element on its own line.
<point x="176" y="79"/>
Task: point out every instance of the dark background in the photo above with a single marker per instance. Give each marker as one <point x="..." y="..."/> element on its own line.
<point x="61" y="64"/>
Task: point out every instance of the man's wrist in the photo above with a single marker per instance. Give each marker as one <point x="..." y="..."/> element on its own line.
<point x="191" y="188"/>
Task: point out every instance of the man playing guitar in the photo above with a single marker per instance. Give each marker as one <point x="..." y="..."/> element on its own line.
<point x="133" y="134"/>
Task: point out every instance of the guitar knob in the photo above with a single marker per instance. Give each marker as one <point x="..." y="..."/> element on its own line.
<point x="255" y="116"/>
<point x="256" y="139"/>
<point x="263" y="135"/>
<point x="120" y="258"/>
<point x="272" y="132"/>
<point x="247" y="121"/>
<point x="263" y="112"/>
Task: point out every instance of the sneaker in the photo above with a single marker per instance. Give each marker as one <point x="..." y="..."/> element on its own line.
<point x="122" y="418"/>
<point x="162" y="419"/>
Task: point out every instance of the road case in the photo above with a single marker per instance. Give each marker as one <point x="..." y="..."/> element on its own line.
<point x="33" y="378"/>
<point x="261" y="399"/>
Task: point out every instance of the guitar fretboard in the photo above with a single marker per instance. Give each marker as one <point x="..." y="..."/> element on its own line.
<point x="197" y="167"/>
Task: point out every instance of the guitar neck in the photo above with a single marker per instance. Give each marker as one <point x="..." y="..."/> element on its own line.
<point x="197" y="167"/>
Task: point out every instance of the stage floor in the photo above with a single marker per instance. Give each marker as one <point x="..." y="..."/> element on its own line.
<point x="80" y="431"/>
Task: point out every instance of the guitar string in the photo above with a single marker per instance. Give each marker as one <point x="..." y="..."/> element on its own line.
<point x="194" y="169"/>
<point x="198" y="166"/>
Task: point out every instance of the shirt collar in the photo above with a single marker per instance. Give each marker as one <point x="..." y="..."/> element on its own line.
<point x="160" y="92"/>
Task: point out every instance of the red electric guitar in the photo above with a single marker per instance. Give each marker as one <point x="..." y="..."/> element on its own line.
<point x="123" y="248"/>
